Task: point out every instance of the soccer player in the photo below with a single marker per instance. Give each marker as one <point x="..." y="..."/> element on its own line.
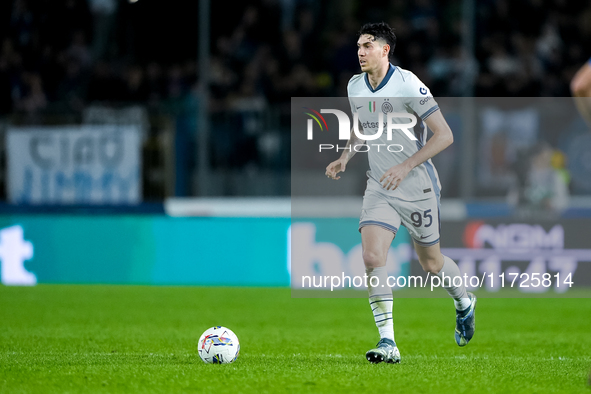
<point x="403" y="186"/>
<point x="580" y="87"/>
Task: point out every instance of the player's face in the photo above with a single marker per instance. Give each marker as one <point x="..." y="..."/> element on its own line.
<point x="371" y="52"/>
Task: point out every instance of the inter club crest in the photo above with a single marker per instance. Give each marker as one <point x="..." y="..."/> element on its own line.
<point x="387" y="107"/>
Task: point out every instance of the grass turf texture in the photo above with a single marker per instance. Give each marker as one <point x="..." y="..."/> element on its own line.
<point x="113" y="339"/>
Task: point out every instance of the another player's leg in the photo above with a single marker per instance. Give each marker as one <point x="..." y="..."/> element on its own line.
<point x="433" y="261"/>
<point x="376" y="242"/>
<point x="581" y="89"/>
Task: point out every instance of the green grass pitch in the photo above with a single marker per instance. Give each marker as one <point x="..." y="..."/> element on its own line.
<point x="112" y="339"/>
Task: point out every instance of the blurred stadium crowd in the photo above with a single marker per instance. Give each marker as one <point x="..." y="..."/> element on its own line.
<point x="72" y="52"/>
<point x="59" y="56"/>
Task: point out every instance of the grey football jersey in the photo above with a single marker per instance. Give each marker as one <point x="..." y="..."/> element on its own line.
<point x="400" y="92"/>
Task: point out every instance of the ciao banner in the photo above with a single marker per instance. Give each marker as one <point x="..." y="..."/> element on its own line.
<point x="74" y="165"/>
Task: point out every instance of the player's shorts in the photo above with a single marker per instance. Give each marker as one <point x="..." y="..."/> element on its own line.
<point x="421" y="218"/>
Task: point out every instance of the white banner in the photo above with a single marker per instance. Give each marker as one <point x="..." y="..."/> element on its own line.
<point x="74" y="165"/>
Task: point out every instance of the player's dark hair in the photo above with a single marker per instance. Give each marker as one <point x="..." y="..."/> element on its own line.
<point x="381" y="30"/>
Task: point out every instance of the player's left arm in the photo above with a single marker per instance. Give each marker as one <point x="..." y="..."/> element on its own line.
<point x="441" y="139"/>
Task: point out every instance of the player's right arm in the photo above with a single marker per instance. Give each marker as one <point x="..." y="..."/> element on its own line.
<point x="340" y="164"/>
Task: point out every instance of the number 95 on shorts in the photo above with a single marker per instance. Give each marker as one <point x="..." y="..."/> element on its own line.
<point x="421" y="218"/>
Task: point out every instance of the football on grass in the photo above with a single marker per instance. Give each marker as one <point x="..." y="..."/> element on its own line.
<point x="218" y="345"/>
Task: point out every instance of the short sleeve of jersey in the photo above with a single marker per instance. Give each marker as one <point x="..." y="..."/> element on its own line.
<point x="419" y="98"/>
<point x="353" y="110"/>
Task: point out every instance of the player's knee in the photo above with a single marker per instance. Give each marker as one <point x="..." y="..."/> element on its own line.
<point x="373" y="259"/>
